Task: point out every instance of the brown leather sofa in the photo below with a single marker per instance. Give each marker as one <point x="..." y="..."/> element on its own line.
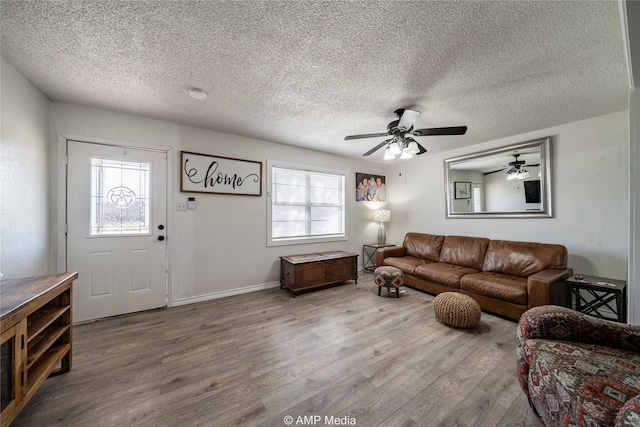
<point x="504" y="277"/>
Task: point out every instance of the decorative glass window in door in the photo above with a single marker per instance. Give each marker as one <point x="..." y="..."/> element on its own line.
<point x="120" y="197"/>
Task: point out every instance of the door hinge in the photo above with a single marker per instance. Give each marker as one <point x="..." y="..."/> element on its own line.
<point x="66" y="228"/>
<point x="66" y="160"/>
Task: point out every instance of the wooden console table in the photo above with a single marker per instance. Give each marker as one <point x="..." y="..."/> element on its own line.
<point x="36" y="336"/>
<point x="308" y="271"/>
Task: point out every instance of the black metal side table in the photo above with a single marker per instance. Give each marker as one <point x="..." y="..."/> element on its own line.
<point x="598" y="296"/>
<point x="369" y="255"/>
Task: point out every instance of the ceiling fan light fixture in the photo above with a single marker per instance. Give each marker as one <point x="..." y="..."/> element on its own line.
<point x="406" y="154"/>
<point x="388" y="155"/>
<point x="394" y="148"/>
<point x="412" y="148"/>
<point x="407" y="118"/>
<point x="198" y="93"/>
<point x="512" y="175"/>
<point x="523" y="174"/>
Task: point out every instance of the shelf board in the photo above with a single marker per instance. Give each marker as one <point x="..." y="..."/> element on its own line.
<point x="43" y="367"/>
<point x="38" y="322"/>
<point x="40" y="346"/>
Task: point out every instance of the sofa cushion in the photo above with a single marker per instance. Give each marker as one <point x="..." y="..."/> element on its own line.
<point x="441" y="272"/>
<point x="425" y="246"/>
<point x="580" y="384"/>
<point x="407" y="264"/>
<point x="464" y="251"/>
<point x="523" y="258"/>
<point x="500" y="286"/>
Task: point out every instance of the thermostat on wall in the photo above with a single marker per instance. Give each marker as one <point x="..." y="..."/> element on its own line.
<point x="191" y="204"/>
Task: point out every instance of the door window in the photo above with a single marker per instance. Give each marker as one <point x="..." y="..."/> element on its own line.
<point x="120" y="197"/>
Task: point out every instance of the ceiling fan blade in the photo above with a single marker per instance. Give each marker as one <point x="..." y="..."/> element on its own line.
<point x="376" y="148"/>
<point x="489" y="173"/>
<point x="454" y="130"/>
<point x="421" y="148"/>
<point x="408" y="118"/>
<point x="366" y="135"/>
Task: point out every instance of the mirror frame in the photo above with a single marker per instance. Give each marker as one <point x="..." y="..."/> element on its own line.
<point x="546" y="196"/>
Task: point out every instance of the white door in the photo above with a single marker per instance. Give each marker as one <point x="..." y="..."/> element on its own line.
<point x="116" y="219"/>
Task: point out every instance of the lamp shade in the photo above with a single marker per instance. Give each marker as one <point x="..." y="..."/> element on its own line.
<point x="382" y="215"/>
<point x="406" y="154"/>
<point x="412" y="148"/>
<point x="388" y="155"/>
<point x="394" y="148"/>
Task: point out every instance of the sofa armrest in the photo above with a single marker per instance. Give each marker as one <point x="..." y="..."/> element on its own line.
<point x="564" y="324"/>
<point x="382" y="253"/>
<point x="547" y="287"/>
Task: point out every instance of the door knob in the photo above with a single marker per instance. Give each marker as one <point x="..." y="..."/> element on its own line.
<point x="161" y="238"/>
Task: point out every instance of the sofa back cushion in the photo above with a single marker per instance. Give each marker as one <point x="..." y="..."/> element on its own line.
<point x="464" y="251"/>
<point x="523" y="258"/>
<point x="425" y="246"/>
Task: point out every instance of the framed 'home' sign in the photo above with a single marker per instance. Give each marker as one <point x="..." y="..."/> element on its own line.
<point x="203" y="173"/>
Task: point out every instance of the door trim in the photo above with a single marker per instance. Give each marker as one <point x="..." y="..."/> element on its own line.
<point x="60" y="198"/>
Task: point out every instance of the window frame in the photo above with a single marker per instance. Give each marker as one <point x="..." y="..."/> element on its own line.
<point x="285" y="241"/>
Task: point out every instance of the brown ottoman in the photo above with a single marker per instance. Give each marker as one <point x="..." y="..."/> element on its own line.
<point x="456" y="309"/>
<point x="390" y="277"/>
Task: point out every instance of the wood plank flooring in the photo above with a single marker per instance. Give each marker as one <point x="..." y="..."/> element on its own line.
<point x="253" y="359"/>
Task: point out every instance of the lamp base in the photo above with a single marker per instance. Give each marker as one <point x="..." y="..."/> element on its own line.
<point x="382" y="235"/>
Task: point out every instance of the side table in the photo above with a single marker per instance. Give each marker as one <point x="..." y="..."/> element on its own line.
<point x="598" y="296"/>
<point x="369" y="255"/>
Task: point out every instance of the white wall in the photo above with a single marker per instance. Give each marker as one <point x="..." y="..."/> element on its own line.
<point x="219" y="248"/>
<point x="590" y="209"/>
<point x="25" y="220"/>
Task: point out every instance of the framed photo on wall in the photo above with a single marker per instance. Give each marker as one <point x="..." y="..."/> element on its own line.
<point x="370" y="187"/>
<point x="462" y="190"/>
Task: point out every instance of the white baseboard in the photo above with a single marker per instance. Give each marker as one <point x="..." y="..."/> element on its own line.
<point x="224" y="294"/>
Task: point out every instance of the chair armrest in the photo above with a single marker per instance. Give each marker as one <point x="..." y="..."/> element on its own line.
<point x="629" y="414"/>
<point x="564" y="324"/>
<point x="548" y="287"/>
<point x="382" y="253"/>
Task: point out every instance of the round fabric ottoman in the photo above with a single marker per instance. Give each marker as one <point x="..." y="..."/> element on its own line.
<point x="389" y="277"/>
<point x="456" y="309"/>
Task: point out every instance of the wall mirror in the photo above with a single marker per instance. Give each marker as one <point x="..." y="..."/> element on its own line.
<point x="506" y="182"/>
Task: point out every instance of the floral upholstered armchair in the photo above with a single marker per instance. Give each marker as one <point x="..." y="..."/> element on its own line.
<point x="578" y="369"/>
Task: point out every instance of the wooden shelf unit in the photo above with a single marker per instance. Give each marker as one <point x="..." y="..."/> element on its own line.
<point x="36" y="336"/>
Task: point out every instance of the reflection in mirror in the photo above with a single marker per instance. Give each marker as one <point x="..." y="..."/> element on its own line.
<point x="512" y="181"/>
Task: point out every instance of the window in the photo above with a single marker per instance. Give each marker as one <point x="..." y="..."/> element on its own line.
<point x="306" y="205"/>
<point x="119" y="197"/>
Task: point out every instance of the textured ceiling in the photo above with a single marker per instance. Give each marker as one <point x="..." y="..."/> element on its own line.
<point x="308" y="73"/>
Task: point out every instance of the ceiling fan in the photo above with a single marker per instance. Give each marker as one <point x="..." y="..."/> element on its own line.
<point x="516" y="169"/>
<point x="516" y="164"/>
<point x="401" y="131"/>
